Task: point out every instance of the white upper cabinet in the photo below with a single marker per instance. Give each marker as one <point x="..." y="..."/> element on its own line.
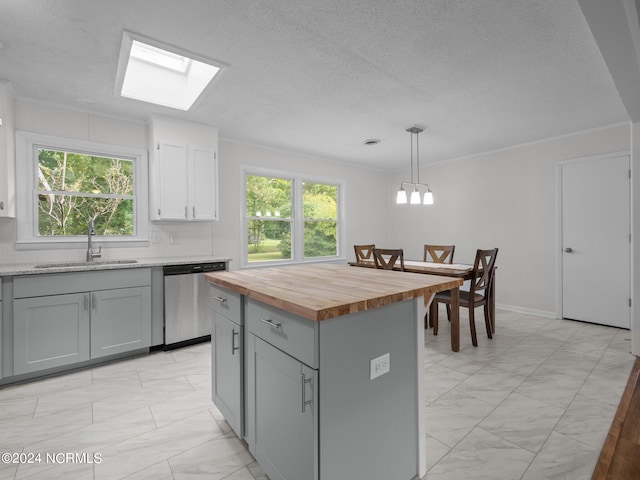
<point x="184" y="170"/>
<point x="7" y="151"/>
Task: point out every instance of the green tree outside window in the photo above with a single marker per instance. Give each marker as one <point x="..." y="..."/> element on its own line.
<point x="73" y="187"/>
<point x="270" y="227"/>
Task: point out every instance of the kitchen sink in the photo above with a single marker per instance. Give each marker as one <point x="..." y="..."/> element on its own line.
<point x="84" y="264"/>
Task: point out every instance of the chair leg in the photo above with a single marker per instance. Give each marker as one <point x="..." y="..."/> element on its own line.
<point x="448" y="312"/>
<point x="433" y="315"/>
<point x="427" y="320"/>
<point x="472" y="326"/>
<point x="487" y="320"/>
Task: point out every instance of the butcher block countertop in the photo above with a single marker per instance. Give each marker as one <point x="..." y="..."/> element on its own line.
<point x="322" y="291"/>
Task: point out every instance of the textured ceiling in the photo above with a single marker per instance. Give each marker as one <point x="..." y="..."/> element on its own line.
<point x="321" y="76"/>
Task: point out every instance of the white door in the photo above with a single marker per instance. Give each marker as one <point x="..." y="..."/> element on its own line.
<point x="596" y="240"/>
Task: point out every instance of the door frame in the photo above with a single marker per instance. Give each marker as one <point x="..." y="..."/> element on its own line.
<point x="559" y="224"/>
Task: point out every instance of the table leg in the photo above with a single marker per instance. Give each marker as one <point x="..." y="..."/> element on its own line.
<point x="492" y="302"/>
<point x="455" y="319"/>
<point x="428" y="304"/>
<point x="433" y="317"/>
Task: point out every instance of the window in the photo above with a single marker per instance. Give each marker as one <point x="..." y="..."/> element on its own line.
<point x="65" y="183"/>
<point x="289" y="218"/>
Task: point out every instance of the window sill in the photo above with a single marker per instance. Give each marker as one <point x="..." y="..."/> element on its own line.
<point x="58" y="244"/>
<point x="284" y="263"/>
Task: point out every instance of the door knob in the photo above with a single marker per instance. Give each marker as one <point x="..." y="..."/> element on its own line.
<point x="568" y="249"/>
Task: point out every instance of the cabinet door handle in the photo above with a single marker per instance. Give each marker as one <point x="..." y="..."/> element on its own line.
<point x="220" y="299"/>
<point x="1" y="205"/>
<point x="277" y="326"/>
<point x="233" y="341"/>
<point x="86" y="302"/>
<point x="185" y="212"/>
<point x="94" y="303"/>
<point x="305" y="402"/>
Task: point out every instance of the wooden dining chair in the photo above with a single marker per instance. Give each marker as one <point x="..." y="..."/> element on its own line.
<point x="387" y="258"/>
<point x="364" y="252"/>
<point x="438" y="253"/>
<point x="478" y="294"/>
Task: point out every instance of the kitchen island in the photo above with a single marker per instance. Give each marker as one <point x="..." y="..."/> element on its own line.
<point x="319" y="368"/>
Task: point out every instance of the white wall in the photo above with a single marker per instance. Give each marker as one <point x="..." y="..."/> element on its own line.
<point x="366" y="207"/>
<point x="504" y="199"/>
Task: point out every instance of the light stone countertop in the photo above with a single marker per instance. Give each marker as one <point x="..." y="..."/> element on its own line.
<point x="103" y="264"/>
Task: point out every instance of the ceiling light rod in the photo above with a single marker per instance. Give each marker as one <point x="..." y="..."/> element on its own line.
<point x="415" y="195"/>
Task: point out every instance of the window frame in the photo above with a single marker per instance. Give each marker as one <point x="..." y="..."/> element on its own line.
<point x="27" y="232"/>
<point x="297" y="217"/>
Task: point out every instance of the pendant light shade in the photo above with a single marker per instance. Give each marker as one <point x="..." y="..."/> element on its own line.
<point x="415" y="199"/>
<point x="401" y="197"/>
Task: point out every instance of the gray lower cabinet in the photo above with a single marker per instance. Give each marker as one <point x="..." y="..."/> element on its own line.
<point x="227" y="357"/>
<point x="226" y="370"/>
<point x="120" y="320"/>
<point x="53" y="331"/>
<point x="1" y="328"/>
<point x="286" y="417"/>
<point x="66" y="318"/>
<point x="282" y="392"/>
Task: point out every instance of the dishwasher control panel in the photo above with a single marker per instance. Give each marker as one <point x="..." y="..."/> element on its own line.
<point x="194" y="268"/>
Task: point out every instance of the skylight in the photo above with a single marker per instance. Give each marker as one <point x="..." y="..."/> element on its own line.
<point x="151" y="72"/>
<point x="160" y="57"/>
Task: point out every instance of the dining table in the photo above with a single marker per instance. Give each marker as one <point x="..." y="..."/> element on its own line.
<point x="458" y="270"/>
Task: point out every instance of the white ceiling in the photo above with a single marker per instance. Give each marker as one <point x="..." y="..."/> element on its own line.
<point x="321" y="76"/>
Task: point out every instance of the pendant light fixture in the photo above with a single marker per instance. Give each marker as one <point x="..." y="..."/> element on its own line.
<point x="415" y="199"/>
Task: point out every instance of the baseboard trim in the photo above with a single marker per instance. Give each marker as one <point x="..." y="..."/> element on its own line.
<point x="528" y="311"/>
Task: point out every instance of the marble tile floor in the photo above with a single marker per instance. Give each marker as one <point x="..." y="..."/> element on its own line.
<point x="536" y="402"/>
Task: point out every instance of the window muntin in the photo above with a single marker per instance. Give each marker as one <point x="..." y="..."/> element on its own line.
<point x="290" y="219"/>
<point x="73" y="187"/>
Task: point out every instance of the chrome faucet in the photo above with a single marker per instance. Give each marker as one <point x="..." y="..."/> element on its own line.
<point x="91" y="254"/>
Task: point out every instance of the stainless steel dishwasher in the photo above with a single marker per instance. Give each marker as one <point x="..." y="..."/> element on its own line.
<point x="186" y="303"/>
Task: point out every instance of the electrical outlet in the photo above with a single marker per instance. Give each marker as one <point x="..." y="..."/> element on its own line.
<point x="379" y="366"/>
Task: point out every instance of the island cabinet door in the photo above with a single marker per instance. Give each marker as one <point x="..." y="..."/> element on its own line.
<point x="226" y="369"/>
<point x="286" y="415"/>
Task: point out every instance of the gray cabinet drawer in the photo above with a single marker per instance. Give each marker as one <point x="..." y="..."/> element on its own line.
<point x="25" y="286"/>
<point x="226" y="302"/>
<point x="290" y="333"/>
